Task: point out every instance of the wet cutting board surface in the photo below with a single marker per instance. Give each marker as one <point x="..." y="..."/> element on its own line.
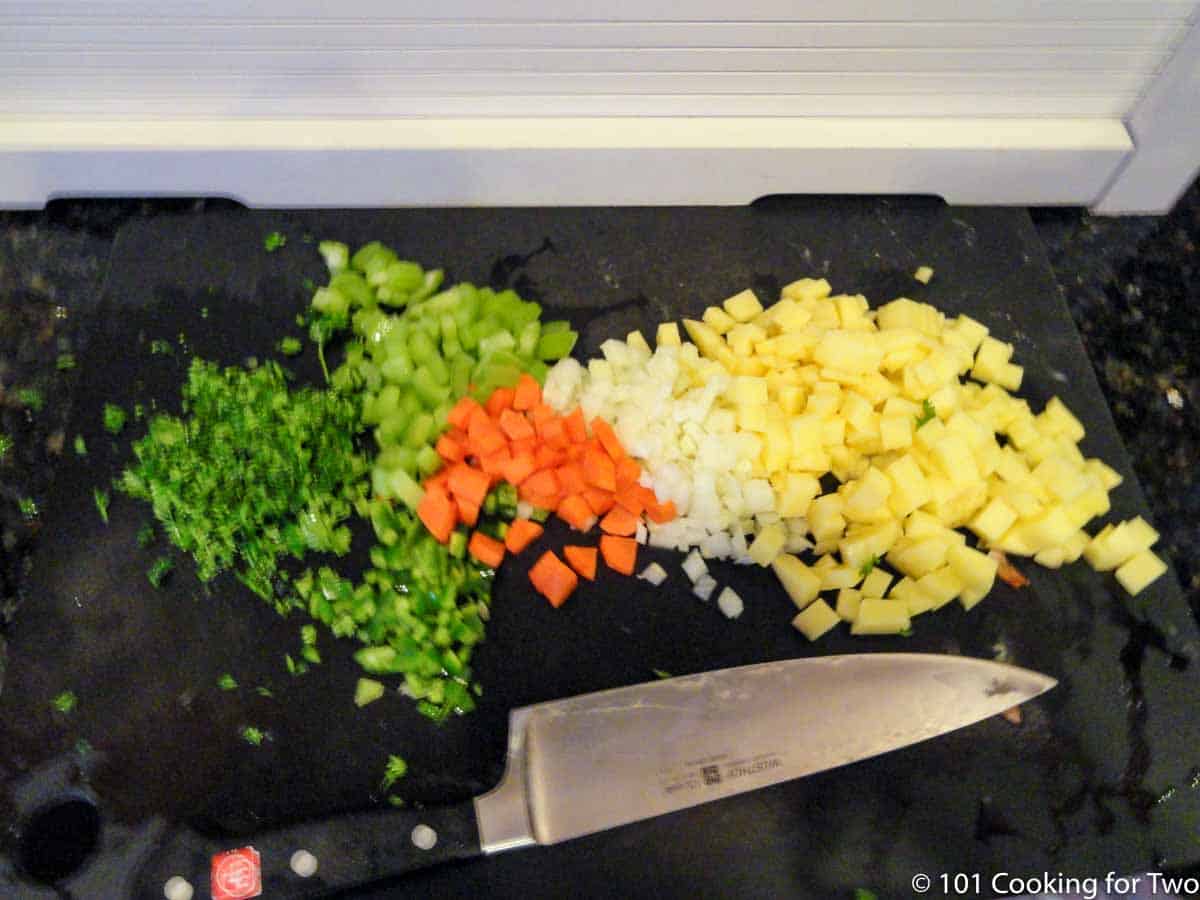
<point x="1099" y="776"/>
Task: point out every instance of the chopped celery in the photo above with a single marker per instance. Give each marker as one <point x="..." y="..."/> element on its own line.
<point x="458" y="544"/>
<point x="335" y="254"/>
<point x="556" y="345"/>
<point x="367" y="690"/>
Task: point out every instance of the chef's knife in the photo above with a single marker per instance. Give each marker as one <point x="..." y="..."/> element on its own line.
<point x="606" y="759"/>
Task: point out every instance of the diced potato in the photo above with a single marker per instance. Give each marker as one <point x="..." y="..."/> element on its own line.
<point x="801" y="582"/>
<point x="705" y="338"/>
<point x="815" y="621"/>
<point x="867" y="496"/>
<point x="668" y="335"/>
<point x="976" y="570"/>
<point x="717" y="319"/>
<point x="838" y="577"/>
<point x="747" y="390"/>
<point x="1047" y="530"/>
<point x="917" y="558"/>
<point x="1115" y="544"/>
<point x="1109" y="477"/>
<point x="941" y="586"/>
<point x="807" y="289"/>
<point x="993" y="520"/>
<point x="635" y="341"/>
<point x="923" y="274"/>
<point x="1136" y="573"/>
<point x="896" y="432"/>
<point x="825" y="518"/>
<point x="767" y="545"/>
<point x="848" y="601"/>
<point x="849" y="351"/>
<point x="865" y="543"/>
<point x="1056" y="419"/>
<point x="797" y="494"/>
<point x="881" y="617"/>
<point x="876" y="583"/>
<point x="910" y="489"/>
<point x="752" y="417"/>
<point x="743" y="306"/>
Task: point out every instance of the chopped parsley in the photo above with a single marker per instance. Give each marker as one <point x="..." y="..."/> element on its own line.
<point x="290" y="346"/>
<point x="864" y="894"/>
<point x="263" y="691"/>
<point x="159" y="570"/>
<point x="227" y="682"/>
<point x="100" y="495"/>
<point x="869" y="566"/>
<point x="274" y="241"/>
<point x="253" y="736"/>
<point x="65" y="362"/>
<point x="928" y="413"/>
<point x="114" y="418"/>
<point x="661" y="673"/>
<point x="28" y="507"/>
<point x="6" y="445"/>
<point x="65" y="702"/>
<point x="80" y="446"/>
<point x="395" y="769"/>
<point x="32" y="398"/>
<point x="159" y="347"/>
<point x="146" y="535"/>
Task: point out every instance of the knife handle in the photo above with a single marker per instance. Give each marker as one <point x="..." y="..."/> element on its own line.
<point x="349" y="850"/>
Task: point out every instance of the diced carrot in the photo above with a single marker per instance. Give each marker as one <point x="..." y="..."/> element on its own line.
<point x="553" y="432"/>
<point x="494" y="463"/>
<point x="630" y="498"/>
<point x="487" y="440"/>
<point x="619" y="521"/>
<point x="600" y="501"/>
<point x="477" y="419"/>
<point x="576" y="426"/>
<point x="541" y="412"/>
<point x="515" y="425"/>
<point x="542" y="482"/>
<point x="553" y="578"/>
<point x="469" y="483"/>
<point x="575" y="512"/>
<point x="524" y="445"/>
<point x="449" y="449"/>
<point x="528" y="393"/>
<point x="519" y="467"/>
<point x="570" y="477"/>
<point x="548" y="502"/>
<point x="549" y="458"/>
<point x="608" y="438"/>
<point x="620" y="553"/>
<point x="521" y="533"/>
<point x="439" y="481"/>
<point x="460" y="414"/>
<point x="501" y="399"/>
<point x="628" y="472"/>
<point x="661" y="512"/>
<point x="582" y="560"/>
<point x="468" y="512"/>
<point x="575" y="452"/>
<point x="438" y="513"/>
<point x="487" y="550"/>
<point x="599" y="471"/>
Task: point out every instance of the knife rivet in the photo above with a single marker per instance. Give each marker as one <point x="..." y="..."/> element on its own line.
<point x="304" y="864"/>
<point x="424" y="837"/>
<point x="178" y="888"/>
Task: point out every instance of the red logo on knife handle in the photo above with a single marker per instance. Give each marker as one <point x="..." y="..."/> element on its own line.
<point x="237" y="874"/>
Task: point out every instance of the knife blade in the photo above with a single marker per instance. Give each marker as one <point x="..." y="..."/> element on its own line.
<point x="601" y="760"/>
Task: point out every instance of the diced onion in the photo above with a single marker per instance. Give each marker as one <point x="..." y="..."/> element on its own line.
<point x="730" y="603"/>
<point x="704" y="587"/>
<point x="694" y="566"/>
<point x="653" y="573"/>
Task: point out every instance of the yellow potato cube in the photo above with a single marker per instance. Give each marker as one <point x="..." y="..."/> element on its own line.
<point x="1139" y="571"/>
<point x="822" y="405"/>
<point x="941" y="586"/>
<point x="849" y="351"/>
<point x="1057" y="419"/>
<point x="864" y="543"/>
<point x="838" y="577"/>
<point x="1091" y="503"/>
<point x="867" y="497"/>
<point x="668" y="335"/>
<point x="638" y="343"/>
<point x="777" y="445"/>
<point x="797" y="494"/>
<point x="745" y="390"/>
<point x="1051" y="557"/>
<point x="923" y="274"/>
<point x="816" y="621"/>
<point x="801" y="582"/>
<point x="1075" y="545"/>
<point x="1115" y="544"/>
<point x="833" y="432"/>
<point x="1009" y="376"/>
<point x="807" y="289"/>
<point x="881" y="617"/>
<point x="742" y="338"/>
<point x="895" y="432"/>
<point x="846" y="464"/>
<point x="718" y="320"/>
<point x="848" y="601"/>
<point x="973" y="331"/>
<point x="709" y="342"/>
<point x="851" y="310"/>
<point x="974" y="569"/>
<point x="910" y="488"/>
<point x="876" y="583"/>
<point x="1051" y="528"/>
<point x="791" y="398"/>
<point x="918" y="557"/>
<point x="1108" y="476"/>
<point x="743" y="306"/>
<point x="752" y="417"/>
<point x="905" y="313"/>
<point x="767" y="545"/>
<point x="993" y="520"/>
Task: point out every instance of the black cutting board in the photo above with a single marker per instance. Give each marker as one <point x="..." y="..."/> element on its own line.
<point x="1099" y="776"/>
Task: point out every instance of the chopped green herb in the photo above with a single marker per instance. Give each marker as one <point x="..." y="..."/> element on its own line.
<point x="6" y="445"/>
<point x="32" y="398"/>
<point x="28" y="507"/>
<point x="65" y="702"/>
<point x="308" y="635"/>
<point x="868" y="567"/>
<point x="114" y="418"/>
<point x="65" y="362"/>
<point x="393" y="800"/>
<point x="293" y="667"/>
<point x="159" y="347"/>
<point x="204" y="312"/>
<point x="928" y="413"/>
<point x="146" y="535"/>
<point x="253" y="736"/>
<point x="907" y="632"/>
<point x="661" y="673"/>
<point x="367" y="690"/>
<point x="395" y="769"/>
<point x="311" y="654"/>
<point x="159" y="570"/>
<point x="263" y="691"/>
<point x="227" y="682"/>
<point x="80" y="446"/>
<point x="274" y="241"/>
<point x="100" y="495"/>
<point x="290" y="346"/>
<point x="864" y="894"/>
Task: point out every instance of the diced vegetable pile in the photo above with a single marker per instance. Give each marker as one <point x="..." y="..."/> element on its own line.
<point x="817" y="426"/>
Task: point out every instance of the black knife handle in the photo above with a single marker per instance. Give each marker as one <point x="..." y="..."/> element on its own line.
<point x="350" y="850"/>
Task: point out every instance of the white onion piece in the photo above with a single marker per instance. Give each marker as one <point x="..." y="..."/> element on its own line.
<point x="730" y="603"/>
<point x="694" y="566"/>
<point x="641" y="534"/>
<point x="653" y="573"/>
<point x="704" y="587"/>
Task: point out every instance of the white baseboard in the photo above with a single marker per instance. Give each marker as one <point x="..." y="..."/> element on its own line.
<point x="559" y="161"/>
